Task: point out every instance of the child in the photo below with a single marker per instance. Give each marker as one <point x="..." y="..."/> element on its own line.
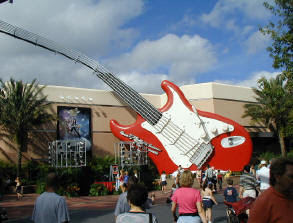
<point x="230" y="193"/>
<point x="163" y="181"/>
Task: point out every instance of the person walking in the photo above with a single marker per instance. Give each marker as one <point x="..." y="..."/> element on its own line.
<point x="208" y="200"/>
<point x="263" y="175"/>
<point x="276" y="203"/>
<point x="199" y="177"/>
<point x="137" y="195"/>
<point x="49" y="206"/>
<point x="126" y="177"/>
<point x="189" y="201"/>
<point x="122" y="204"/>
<point x="248" y="185"/>
<point x="211" y="177"/>
<point x="230" y="193"/>
<point x="18" y="188"/>
<point x="121" y="178"/>
<point x="220" y="179"/>
<point x="163" y="180"/>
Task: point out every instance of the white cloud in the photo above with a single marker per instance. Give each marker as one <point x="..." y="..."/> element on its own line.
<point x="252" y="80"/>
<point x="150" y="83"/>
<point x="91" y="26"/>
<point x="220" y="15"/>
<point x="94" y="27"/>
<point x="177" y="56"/>
<point x="256" y="42"/>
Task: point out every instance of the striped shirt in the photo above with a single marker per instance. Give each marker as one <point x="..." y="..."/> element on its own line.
<point x="248" y="181"/>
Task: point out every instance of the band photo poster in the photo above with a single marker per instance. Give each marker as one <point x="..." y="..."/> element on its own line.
<point x="74" y="123"/>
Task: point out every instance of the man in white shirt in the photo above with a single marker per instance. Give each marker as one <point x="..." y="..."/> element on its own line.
<point x="263" y="175"/>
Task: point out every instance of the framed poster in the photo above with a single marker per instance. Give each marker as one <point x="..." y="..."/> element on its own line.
<point x="74" y="123"/>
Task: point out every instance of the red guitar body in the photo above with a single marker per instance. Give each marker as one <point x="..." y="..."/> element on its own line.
<point x="222" y="158"/>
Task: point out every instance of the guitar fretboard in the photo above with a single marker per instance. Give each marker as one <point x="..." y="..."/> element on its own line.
<point x="132" y="98"/>
<point x="129" y="95"/>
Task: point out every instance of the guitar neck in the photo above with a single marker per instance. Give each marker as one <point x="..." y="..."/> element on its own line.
<point x="125" y="92"/>
<point x="132" y="98"/>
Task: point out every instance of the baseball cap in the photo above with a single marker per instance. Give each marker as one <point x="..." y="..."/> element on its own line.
<point x="263" y="162"/>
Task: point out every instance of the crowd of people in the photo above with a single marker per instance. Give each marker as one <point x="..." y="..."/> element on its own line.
<point x="270" y="184"/>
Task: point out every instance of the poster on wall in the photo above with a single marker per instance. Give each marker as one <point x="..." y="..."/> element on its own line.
<point x="74" y="123"/>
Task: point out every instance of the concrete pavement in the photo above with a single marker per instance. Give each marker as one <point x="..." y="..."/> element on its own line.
<point x="96" y="209"/>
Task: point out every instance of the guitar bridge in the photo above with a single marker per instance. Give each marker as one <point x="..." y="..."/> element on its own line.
<point x="138" y="141"/>
<point x="201" y="155"/>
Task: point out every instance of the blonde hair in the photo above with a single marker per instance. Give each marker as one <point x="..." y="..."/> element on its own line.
<point x="186" y="179"/>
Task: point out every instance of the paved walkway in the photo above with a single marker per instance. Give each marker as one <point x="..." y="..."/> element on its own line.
<point x="22" y="209"/>
<point x="97" y="209"/>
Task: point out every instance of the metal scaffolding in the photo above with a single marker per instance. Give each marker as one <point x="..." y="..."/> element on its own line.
<point x="67" y="153"/>
<point x="130" y="154"/>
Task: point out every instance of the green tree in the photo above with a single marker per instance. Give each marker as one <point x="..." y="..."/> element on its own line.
<point x="22" y="108"/>
<point x="273" y="108"/>
<point x="281" y="33"/>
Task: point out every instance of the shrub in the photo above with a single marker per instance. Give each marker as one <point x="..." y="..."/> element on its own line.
<point x="72" y="190"/>
<point x="41" y="187"/>
<point x="100" y="167"/>
<point x="98" y="189"/>
<point x="268" y="156"/>
<point x="290" y="154"/>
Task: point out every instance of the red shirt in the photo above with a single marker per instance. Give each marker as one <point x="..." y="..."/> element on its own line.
<point x="271" y="207"/>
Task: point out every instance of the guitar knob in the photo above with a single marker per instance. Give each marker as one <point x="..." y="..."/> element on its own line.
<point x="214" y="131"/>
<point x="226" y="128"/>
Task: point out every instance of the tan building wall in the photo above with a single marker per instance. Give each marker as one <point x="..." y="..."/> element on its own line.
<point x="225" y="100"/>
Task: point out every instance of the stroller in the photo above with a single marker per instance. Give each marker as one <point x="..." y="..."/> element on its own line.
<point x="236" y="211"/>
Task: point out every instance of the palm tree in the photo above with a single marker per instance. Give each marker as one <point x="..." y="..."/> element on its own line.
<point x="22" y="107"/>
<point x="273" y="107"/>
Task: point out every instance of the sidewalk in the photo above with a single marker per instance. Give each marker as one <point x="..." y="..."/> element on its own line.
<point x="18" y="209"/>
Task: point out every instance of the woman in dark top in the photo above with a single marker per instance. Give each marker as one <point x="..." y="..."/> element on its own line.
<point x="18" y="188"/>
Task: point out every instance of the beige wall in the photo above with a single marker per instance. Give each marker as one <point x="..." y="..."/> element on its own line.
<point x="225" y="100"/>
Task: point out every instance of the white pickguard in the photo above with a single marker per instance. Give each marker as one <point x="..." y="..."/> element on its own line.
<point x="188" y="124"/>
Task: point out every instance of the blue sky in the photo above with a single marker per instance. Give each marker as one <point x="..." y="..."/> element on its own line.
<point x="141" y="41"/>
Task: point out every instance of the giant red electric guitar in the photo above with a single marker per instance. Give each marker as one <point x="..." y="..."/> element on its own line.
<point x="178" y="133"/>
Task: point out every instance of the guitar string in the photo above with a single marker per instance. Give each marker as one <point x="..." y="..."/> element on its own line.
<point x="78" y="57"/>
<point x="182" y="146"/>
<point x="186" y="136"/>
<point x="117" y="84"/>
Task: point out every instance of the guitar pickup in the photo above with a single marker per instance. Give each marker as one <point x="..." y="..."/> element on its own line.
<point x="201" y="155"/>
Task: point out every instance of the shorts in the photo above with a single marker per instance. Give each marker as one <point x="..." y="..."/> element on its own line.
<point x="207" y="203"/>
<point x="164" y="183"/>
<point x="249" y="193"/>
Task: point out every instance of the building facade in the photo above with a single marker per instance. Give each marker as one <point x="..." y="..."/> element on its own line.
<point x="225" y="100"/>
